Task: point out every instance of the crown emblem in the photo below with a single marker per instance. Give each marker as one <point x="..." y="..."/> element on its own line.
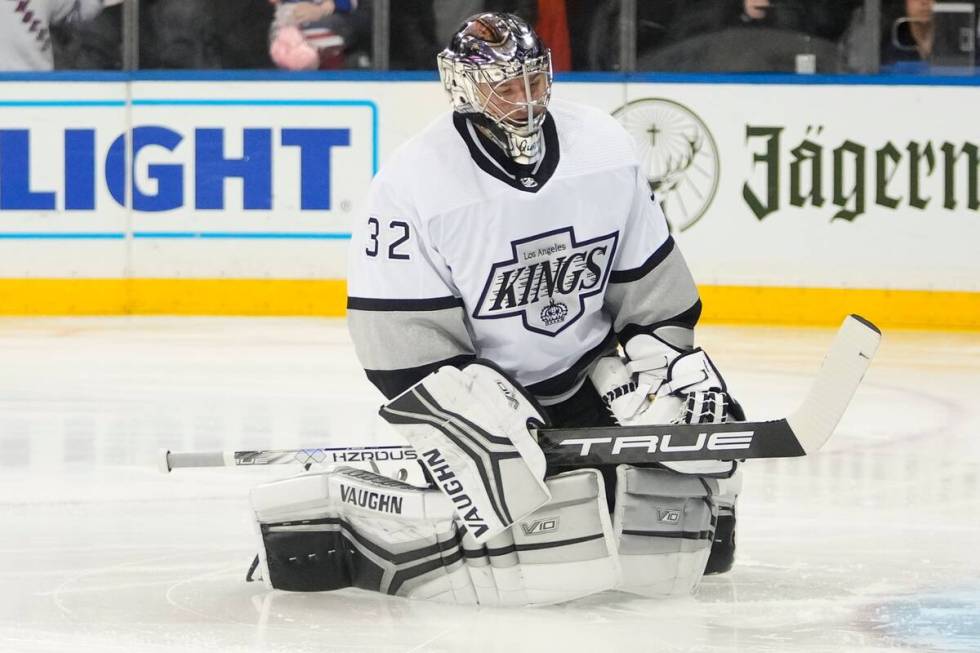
<point x="554" y="313"/>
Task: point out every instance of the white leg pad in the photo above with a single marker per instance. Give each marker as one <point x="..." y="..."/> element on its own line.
<point x="349" y="527"/>
<point x="563" y="550"/>
<point x="664" y="524"/>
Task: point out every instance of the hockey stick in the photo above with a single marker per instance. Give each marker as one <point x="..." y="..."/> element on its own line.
<point x="325" y="455"/>
<point x="803" y="432"/>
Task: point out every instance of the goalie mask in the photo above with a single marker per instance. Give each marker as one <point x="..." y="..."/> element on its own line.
<point x="498" y="72"/>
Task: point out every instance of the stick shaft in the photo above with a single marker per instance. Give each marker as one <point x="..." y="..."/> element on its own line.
<point x="253" y="458"/>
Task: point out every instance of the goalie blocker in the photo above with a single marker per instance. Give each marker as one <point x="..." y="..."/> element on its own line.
<point x="471" y="429"/>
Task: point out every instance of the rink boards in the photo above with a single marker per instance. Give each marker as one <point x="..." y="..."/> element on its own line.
<point x="795" y="199"/>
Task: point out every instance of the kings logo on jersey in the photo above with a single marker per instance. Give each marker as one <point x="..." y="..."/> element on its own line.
<point x="547" y="280"/>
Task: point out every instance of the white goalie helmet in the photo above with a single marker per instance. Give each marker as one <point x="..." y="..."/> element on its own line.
<point x="498" y="72"/>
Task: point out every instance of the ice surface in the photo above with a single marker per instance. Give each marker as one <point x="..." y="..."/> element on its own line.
<point x="870" y="546"/>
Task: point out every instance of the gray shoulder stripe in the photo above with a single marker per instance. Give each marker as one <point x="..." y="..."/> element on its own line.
<point x="399" y="340"/>
<point x="688" y="319"/>
<point x="634" y="274"/>
<point x="427" y="304"/>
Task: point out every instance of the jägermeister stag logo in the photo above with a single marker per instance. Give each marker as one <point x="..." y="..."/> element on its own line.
<point x="546" y="280"/>
<point x="678" y="154"/>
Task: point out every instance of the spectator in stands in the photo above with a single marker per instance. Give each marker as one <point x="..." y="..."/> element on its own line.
<point x="581" y="15"/>
<point x="785" y="14"/>
<point x="413" y="35"/>
<point x="909" y="32"/>
<point x="316" y="35"/>
<point x="754" y="35"/>
<point x="173" y="34"/>
<point x="25" y="29"/>
<point x="826" y="19"/>
<point x="94" y="44"/>
<point x="755" y="10"/>
<point x="832" y="19"/>
<point x="182" y="35"/>
<point x="242" y="30"/>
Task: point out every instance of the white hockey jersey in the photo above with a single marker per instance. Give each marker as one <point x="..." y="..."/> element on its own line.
<point x="539" y="269"/>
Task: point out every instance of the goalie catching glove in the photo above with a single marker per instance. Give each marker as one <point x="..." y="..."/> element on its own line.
<point x="471" y="429"/>
<point x="660" y="385"/>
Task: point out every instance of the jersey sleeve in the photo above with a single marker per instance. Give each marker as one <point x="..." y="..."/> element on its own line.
<point x="404" y="315"/>
<point x="651" y="289"/>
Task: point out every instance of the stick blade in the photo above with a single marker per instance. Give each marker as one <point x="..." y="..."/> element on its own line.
<point x="841" y="373"/>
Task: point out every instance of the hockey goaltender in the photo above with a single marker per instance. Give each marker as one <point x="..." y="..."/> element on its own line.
<point x="509" y="252"/>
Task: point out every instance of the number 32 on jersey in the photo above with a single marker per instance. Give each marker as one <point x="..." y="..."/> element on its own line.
<point x="385" y="238"/>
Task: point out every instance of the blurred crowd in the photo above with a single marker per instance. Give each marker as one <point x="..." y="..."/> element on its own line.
<point x="337" y="34"/>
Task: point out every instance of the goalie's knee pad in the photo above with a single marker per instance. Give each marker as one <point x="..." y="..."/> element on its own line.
<point x="665" y="524"/>
<point x="563" y="550"/>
